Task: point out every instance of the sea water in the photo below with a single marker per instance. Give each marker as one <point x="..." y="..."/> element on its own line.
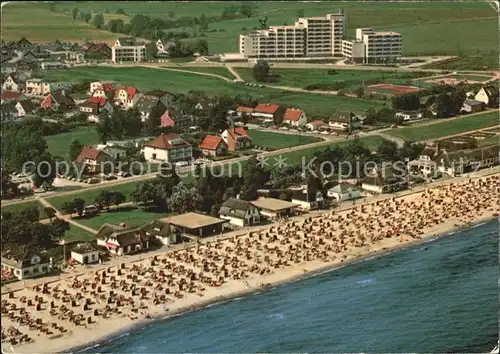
<point x="440" y="296"/>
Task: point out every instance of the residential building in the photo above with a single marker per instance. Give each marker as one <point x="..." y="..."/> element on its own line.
<point x="163" y="232"/>
<point x="25" y="107"/>
<point x="306" y="200"/>
<point x="274" y="209"/>
<point x="103" y="89"/>
<point x="95" y="161"/>
<point x="344" y="121"/>
<point x="379" y="45"/>
<point x="12" y="83"/>
<point x="94" y="106"/>
<point x="60" y="101"/>
<point x="162" y="49"/>
<point x="324" y="34"/>
<point x="275" y="42"/>
<point x="236" y="139"/>
<point x="472" y="106"/>
<point x="52" y="65"/>
<point x="344" y="191"/>
<point x="98" y="51"/>
<point x="37" y="87"/>
<point x="146" y="104"/>
<point x="60" y="86"/>
<point x="424" y="164"/>
<point x="85" y="253"/>
<point x="213" y="145"/>
<point x="315" y="125"/>
<point x="269" y="112"/>
<point x="409" y="115"/>
<point x="25" y="264"/>
<point x="354" y="50"/>
<point x="12" y="96"/>
<point x="9" y="112"/>
<point x="243" y="111"/>
<point x="166" y="120"/>
<point x="168" y="148"/>
<point x="128" y="49"/>
<point x="458" y="162"/>
<point x="126" y="97"/>
<point x="489" y="96"/>
<point x="239" y="212"/>
<point x="295" y="117"/>
<point x="122" y="240"/>
<point x="23" y="44"/>
<point x="385" y="179"/>
<point x="7" y="68"/>
<point x="165" y="97"/>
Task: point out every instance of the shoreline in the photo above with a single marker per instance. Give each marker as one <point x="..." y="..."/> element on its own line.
<point x="104" y="331"/>
<point x="143" y="323"/>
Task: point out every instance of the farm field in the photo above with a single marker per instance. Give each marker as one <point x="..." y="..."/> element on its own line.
<point x="470" y="62"/>
<point x="449" y="127"/>
<point x="59" y="144"/>
<point x="279" y="141"/>
<point x="147" y="79"/>
<point x="39" y="24"/>
<point x="303" y="77"/>
<point x="131" y="215"/>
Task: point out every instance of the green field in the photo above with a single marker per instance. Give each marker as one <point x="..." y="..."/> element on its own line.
<point x="15" y="208"/>
<point x="130" y="215"/>
<point x="279" y="141"/>
<point x="315" y="105"/>
<point x="449" y="127"/>
<point x="470" y="77"/>
<point x="304" y="77"/>
<point x="77" y="234"/>
<point x="38" y="24"/>
<point x="215" y="70"/>
<point x="470" y="62"/>
<point x="58" y="144"/>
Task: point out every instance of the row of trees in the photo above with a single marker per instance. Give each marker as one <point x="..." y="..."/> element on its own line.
<point x="104" y="200"/>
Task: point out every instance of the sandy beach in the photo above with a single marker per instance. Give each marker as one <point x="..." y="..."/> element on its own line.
<point x="80" y="311"/>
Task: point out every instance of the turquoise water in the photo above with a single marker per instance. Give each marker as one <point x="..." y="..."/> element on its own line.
<point x="441" y="296"/>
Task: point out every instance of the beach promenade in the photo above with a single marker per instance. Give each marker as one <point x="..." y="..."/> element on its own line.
<point x="76" y="310"/>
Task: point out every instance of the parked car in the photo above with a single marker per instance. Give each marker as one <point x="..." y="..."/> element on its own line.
<point x="93" y="180"/>
<point x="110" y="178"/>
<point x="124" y="174"/>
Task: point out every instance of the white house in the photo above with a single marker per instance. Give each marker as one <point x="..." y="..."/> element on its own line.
<point x="11" y="83"/>
<point x="126" y="97"/>
<point x="408" y="116"/>
<point x="37" y="87"/>
<point x="472" y="106"/>
<point x="163" y="232"/>
<point x="128" y="49"/>
<point x="101" y="88"/>
<point x="25" y="264"/>
<point x="488" y="95"/>
<point x="168" y="148"/>
<point x="85" y="253"/>
<point x="345" y="121"/>
<point x="315" y="125"/>
<point x="307" y="201"/>
<point x="239" y="212"/>
<point x="344" y="191"/>
<point x="295" y="117"/>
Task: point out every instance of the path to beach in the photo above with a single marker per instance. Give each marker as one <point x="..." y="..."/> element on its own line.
<point x="63" y="314"/>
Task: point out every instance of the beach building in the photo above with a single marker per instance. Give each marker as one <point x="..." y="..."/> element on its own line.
<point x="25" y="264"/>
<point x="385" y="179"/>
<point x="308" y="201"/>
<point x="273" y="208"/>
<point x="239" y="212"/>
<point x="198" y="225"/>
<point x="85" y="253"/>
<point x="163" y="232"/>
<point x="344" y="191"/>
<point x="122" y="240"/>
<point x="455" y="163"/>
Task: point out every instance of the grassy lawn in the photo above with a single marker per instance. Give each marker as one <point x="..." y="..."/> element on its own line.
<point x="450" y="127"/>
<point x="15" y="208"/>
<point x="315" y="105"/>
<point x="58" y="144"/>
<point x="38" y="24"/>
<point x="470" y="62"/>
<point x="216" y="70"/>
<point x="131" y="215"/>
<point x="279" y="141"/>
<point x="480" y="78"/>
<point x="78" y="234"/>
<point x="303" y="77"/>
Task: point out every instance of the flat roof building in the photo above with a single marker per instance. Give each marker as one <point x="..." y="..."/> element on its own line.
<point x="197" y="224"/>
<point x="379" y="45"/>
<point x="275" y="208"/>
<point x="128" y="49"/>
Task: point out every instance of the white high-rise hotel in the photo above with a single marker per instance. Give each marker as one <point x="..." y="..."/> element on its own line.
<point x="314" y="37"/>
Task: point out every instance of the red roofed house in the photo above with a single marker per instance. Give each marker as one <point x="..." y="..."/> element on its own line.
<point x="104" y="89"/>
<point x="58" y="101"/>
<point x="315" y="125"/>
<point x="166" y="120"/>
<point x="269" y="112"/>
<point x="295" y="117"/>
<point x="126" y="97"/>
<point x="95" y="105"/>
<point x="213" y="145"/>
<point x="168" y="148"/>
<point x="98" y="51"/>
<point x="236" y="139"/>
<point x="244" y="111"/>
<point x="95" y="161"/>
<point x="12" y="96"/>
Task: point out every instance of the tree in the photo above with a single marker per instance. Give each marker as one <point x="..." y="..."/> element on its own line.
<point x="388" y="150"/>
<point x="246" y="10"/>
<point x="103" y="199"/>
<point x="30" y="214"/>
<point x="74" y="13"/>
<point x="45" y="171"/>
<point x="300" y="13"/>
<point x="260" y="71"/>
<point x="121" y="11"/>
<point x="409" y="102"/>
<point x="254" y="178"/>
<point x="74" y="149"/>
<point x="457" y="100"/>
<point x="371" y="116"/>
<point x="68" y="208"/>
<point x="143" y="193"/>
<point x="50" y="212"/>
<point x="444" y="106"/>
<point x="98" y="21"/>
<point x="78" y="205"/>
<point x="183" y="199"/>
<point x="117" y="198"/>
<point x="58" y="227"/>
<point x="359" y="91"/>
<point x="201" y="47"/>
<point x="203" y="22"/>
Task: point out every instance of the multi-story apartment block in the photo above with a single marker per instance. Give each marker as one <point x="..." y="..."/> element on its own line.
<point x="324" y="35"/>
<point x="127" y="49"/>
<point x="379" y="45"/>
<point x="275" y="42"/>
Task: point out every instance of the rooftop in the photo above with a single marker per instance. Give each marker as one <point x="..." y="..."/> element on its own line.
<point x="193" y="220"/>
<point x="274" y="204"/>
